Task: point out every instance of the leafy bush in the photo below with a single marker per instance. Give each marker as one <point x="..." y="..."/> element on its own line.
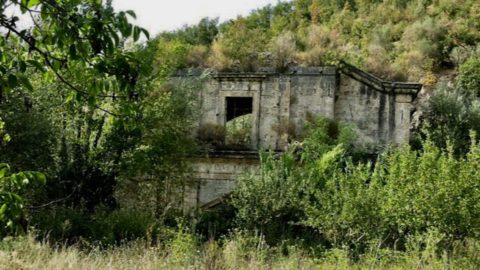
<point x="238" y="131"/>
<point x="183" y="247"/>
<point x="12" y="204"/>
<point x="217" y="222"/>
<point x="449" y="116"/>
<point x="268" y="202"/>
<point x="122" y="226"/>
<point x="239" y="47"/>
<point x="469" y="76"/>
<point x="405" y="192"/>
<point x="61" y="224"/>
<point x="283" y="49"/>
<point x="210" y="133"/>
<point x="430" y="189"/>
<point x="323" y="134"/>
<point x="68" y="225"/>
<point x="271" y="201"/>
<point x="170" y="56"/>
<point x="321" y="45"/>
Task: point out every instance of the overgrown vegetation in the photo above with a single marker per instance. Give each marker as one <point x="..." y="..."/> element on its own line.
<point x="241" y="251"/>
<point x="322" y="193"/>
<point x="92" y="110"/>
<point x="403" y="40"/>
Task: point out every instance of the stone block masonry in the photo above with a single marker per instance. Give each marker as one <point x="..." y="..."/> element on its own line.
<point x="280" y="104"/>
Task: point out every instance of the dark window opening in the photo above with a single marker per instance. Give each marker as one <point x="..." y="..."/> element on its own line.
<point x="238" y="106"/>
<point x="238" y="127"/>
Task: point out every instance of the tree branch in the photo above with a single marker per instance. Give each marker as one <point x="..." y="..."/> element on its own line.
<point x="47" y="56"/>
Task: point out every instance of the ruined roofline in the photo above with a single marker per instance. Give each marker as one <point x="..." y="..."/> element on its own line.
<point x="260" y="73"/>
<point x="384" y="86"/>
<point x="378" y="83"/>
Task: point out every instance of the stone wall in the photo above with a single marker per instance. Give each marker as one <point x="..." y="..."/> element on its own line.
<point x="215" y="178"/>
<point x="379" y="112"/>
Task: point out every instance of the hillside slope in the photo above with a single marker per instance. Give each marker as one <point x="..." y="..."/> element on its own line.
<point x="411" y="40"/>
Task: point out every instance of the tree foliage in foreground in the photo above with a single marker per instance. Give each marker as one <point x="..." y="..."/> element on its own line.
<point x="11" y="186"/>
<point x="68" y="36"/>
<point x="74" y="52"/>
<point x="403" y="193"/>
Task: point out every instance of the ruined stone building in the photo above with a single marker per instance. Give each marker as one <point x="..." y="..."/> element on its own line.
<point x="276" y="107"/>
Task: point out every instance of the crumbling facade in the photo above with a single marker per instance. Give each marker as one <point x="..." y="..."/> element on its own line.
<point x="279" y="104"/>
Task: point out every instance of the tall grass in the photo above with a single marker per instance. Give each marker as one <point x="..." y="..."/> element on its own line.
<point x="239" y="251"/>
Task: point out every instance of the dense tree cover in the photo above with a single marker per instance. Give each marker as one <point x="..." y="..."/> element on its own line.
<point x="77" y="103"/>
<point x="66" y="36"/>
<point x="407" y="40"/>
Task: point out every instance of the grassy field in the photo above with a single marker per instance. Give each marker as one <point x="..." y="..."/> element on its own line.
<point x="184" y="253"/>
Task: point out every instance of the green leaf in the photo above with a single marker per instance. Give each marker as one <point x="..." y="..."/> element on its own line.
<point x="131" y="13"/>
<point x="4" y="170"/>
<point x="32" y="3"/>
<point x="26" y="82"/>
<point x="115" y="37"/>
<point x="17" y="198"/>
<point x="6" y="138"/>
<point x="37" y="65"/>
<point x="71" y="97"/>
<point x="56" y="65"/>
<point x="23" y="5"/>
<point x="3" y="209"/>
<point x="40" y="177"/>
<point x="146" y="33"/>
<point x="136" y="33"/>
<point x="92" y="101"/>
<point x="12" y="81"/>
<point x="25" y="181"/>
<point x="22" y="67"/>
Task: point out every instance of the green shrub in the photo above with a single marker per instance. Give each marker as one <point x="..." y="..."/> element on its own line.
<point x="341" y="203"/>
<point x="240" y="47"/>
<point x="61" y="224"/>
<point x="449" y="116"/>
<point x="282" y="50"/>
<point x="183" y="247"/>
<point x="469" y="76"/>
<point x="12" y="186"/>
<point x="238" y="131"/>
<point x="272" y="201"/>
<point x="217" y="222"/>
<point x="121" y="226"/>
<point x="323" y="134"/>
<point x="211" y="134"/>
<point x="68" y="225"/>
<point x="267" y="202"/>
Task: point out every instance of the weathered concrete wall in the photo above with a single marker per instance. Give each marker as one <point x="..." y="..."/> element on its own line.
<point x="313" y="92"/>
<point x="279" y="100"/>
<point x="370" y="112"/>
<point x="379" y="111"/>
<point x="215" y="177"/>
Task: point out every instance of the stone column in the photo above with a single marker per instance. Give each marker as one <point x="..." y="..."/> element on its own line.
<point x="403" y="106"/>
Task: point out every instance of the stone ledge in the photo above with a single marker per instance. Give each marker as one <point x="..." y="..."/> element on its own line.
<point x="379" y="84"/>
